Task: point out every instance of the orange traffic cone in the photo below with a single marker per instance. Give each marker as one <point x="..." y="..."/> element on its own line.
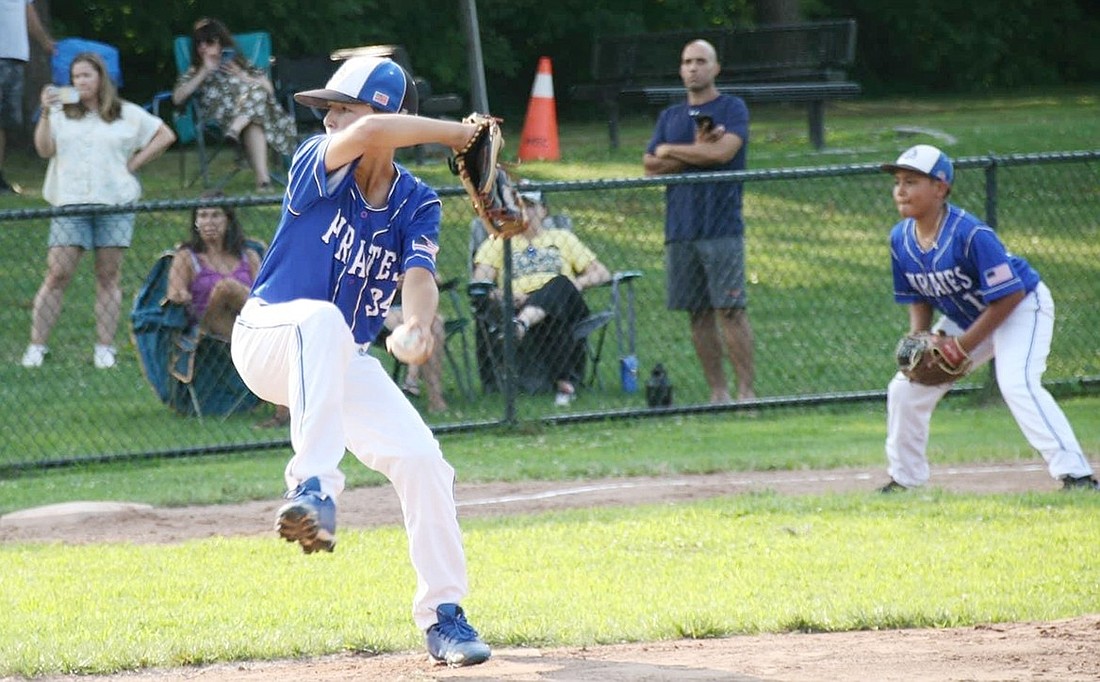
<point x="540" y="129"/>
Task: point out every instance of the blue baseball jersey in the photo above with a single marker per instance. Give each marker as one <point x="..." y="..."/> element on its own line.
<point x="331" y="245"/>
<point x="710" y="209"/>
<point x="965" y="270"/>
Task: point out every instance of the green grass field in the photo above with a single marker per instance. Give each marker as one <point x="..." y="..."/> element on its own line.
<point x="816" y="255"/>
<point x="742" y="564"/>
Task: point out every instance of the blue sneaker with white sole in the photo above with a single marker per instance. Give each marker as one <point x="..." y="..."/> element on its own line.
<point x="309" y="518"/>
<point x="454" y="641"/>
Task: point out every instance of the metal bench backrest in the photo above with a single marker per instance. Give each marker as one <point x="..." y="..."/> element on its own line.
<point x="781" y="52"/>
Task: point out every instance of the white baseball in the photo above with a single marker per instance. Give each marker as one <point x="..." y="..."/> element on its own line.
<point x="405" y="343"/>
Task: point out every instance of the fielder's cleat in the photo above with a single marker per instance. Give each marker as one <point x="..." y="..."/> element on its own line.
<point x="453" y="641"/>
<point x="309" y="518"/>
<point x="892" y="487"/>
<point x="1080" y="483"/>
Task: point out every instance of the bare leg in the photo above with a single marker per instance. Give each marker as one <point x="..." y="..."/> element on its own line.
<point x="530" y="316"/>
<point x="708" y="347"/>
<point x="255" y="146"/>
<point x="226" y="300"/>
<point x="433" y="370"/>
<point x="61" y="262"/>
<point x="737" y="333"/>
<point x="108" y="294"/>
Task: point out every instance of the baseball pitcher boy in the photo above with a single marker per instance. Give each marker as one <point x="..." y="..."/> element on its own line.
<point x="353" y="222"/>
<point x="992" y="303"/>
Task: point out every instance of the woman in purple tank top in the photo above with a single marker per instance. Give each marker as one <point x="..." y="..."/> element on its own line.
<point x="212" y="272"/>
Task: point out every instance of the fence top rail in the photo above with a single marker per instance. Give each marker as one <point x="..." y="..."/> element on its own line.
<point x="987" y="161"/>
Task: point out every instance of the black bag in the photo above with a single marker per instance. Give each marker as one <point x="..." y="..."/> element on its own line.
<point x="658" y="390"/>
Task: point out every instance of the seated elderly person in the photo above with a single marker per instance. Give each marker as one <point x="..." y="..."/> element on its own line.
<point x="550" y="269"/>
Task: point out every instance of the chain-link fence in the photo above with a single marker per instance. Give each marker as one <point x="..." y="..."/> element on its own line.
<point x="819" y="294"/>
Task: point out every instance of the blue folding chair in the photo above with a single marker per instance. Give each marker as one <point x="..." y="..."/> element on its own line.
<point x="189" y="371"/>
<point x="68" y="48"/>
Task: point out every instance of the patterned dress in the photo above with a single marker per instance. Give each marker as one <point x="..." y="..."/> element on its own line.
<point x="223" y="97"/>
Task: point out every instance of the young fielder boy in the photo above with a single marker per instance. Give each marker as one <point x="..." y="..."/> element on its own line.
<point x="992" y="303"/>
<point x="354" y="221"/>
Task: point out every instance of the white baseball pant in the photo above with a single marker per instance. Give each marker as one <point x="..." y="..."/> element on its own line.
<point x="301" y="354"/>
<point x="1021" y="345"/>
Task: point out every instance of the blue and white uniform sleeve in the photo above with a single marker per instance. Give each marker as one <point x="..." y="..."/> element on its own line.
<point x="422" y="237"/>
<point x="308" y="180"/>
<point x="996" y="276"/>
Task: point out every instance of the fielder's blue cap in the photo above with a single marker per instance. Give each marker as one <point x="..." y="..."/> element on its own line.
<point x="924" y="158"/>
<point x="376" y="81"/>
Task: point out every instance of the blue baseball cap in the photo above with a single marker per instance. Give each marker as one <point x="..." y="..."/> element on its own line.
<point x="379" y="82"/>
<point x="926" y="159"/>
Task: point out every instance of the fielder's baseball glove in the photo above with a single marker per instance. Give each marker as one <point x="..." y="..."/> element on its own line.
<point x="931" y="359"/>
<point x="491" y="192"/>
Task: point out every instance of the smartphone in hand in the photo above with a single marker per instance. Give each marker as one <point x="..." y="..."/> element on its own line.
<point x="67" y="94"/>
<point x="702" y="122"/>
<point x="228" y="55"/>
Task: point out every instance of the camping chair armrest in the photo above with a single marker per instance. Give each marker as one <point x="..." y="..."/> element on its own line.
<point x="626" y="275"/>
<point x="154" y="106"/>
<point x="480" y="287"/>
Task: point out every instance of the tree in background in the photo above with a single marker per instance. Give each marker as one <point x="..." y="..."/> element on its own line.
<point x="946" y="45"/>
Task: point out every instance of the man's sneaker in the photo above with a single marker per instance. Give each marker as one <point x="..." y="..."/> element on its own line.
<point x="453" y="641"/>
<point x="104" y="356"/>
<point x="892" y="487"/>
<point x="1080" y="483"/>
<point x="34" y="355"/>
<point x="309" y="518"/>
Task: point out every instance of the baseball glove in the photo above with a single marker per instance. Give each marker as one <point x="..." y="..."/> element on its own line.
<point x="490" y="189"/>
<point x="931" y="359"/>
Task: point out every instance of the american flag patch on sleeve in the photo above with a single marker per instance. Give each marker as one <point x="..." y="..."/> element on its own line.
<point x="998" y="274"/>
<point x="425" y="245"/>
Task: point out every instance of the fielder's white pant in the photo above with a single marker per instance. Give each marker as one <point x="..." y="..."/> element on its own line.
<point x="301" y="354"/>
<point x="1021" y="345"/>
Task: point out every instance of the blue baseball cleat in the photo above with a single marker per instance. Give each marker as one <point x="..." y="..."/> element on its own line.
<point x="453" y="641"/>
<point x="309" y="518"/>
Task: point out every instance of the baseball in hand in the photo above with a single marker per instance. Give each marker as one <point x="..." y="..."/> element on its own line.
<point x="405" y="343"/>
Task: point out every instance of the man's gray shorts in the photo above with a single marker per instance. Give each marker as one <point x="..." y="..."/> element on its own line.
<point x="706" y="274"/>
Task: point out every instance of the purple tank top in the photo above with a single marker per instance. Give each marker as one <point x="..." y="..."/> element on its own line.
<point x="206" y="278"/>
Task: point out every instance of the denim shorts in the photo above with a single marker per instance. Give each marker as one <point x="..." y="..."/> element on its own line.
<point x="92" y="231"/>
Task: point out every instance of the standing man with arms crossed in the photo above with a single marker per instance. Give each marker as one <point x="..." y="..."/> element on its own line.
<point x="353" y="222"/>
<point x="704" y="230"/>
<point x="18" y="19"/>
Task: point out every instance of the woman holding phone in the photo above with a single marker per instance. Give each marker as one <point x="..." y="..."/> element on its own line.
<point x="237" y="96"/>
<point x="96" y="142"/>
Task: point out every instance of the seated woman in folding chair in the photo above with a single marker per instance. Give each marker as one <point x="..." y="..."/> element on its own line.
<point x="550" y="269"/>
<point x="212" y="273"/>
<point x="237" y="95"/>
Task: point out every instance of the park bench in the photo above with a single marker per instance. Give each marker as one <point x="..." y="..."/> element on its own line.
<point x="804" y="62"/>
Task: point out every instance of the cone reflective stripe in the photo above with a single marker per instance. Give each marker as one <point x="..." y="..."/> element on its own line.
<point x="539" y="141"/>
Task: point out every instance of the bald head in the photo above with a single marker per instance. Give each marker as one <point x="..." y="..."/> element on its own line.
<point x="698" y="69"/>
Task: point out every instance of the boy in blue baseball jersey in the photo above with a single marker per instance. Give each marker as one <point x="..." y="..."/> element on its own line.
<point x="354" y="222"/>
<point x="992" y="303"/>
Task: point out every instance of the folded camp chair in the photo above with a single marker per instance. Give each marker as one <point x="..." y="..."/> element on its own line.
<point x="454" y="330"/>
<point x="589" y="333"/>
<point x="190" y="371"/>
<point x="188" y="121"/>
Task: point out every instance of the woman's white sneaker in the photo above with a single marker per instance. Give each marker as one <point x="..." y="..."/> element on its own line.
<point x="104" y="356"/>
<point x="34" y="355"/>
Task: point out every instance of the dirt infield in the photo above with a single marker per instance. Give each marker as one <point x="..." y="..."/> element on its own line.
<point x="1063" y="651"/>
